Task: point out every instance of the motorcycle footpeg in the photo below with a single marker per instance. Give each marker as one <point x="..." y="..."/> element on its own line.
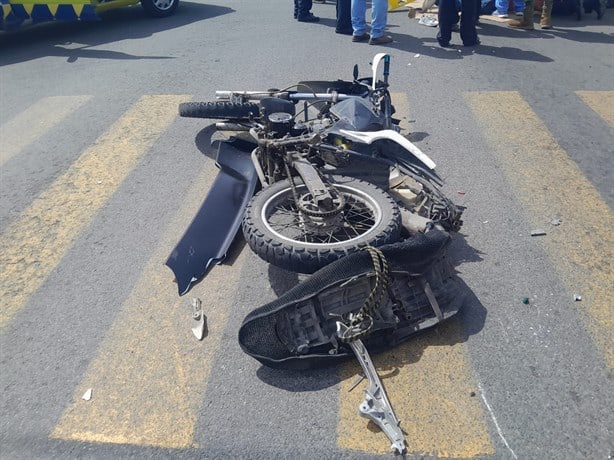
<point x="376" y="406"/>
<point x="299" y="329"/>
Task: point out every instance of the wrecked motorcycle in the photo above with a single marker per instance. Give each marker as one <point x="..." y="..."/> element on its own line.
<point x="335" y="175"/>
<point x="344" y="197"/>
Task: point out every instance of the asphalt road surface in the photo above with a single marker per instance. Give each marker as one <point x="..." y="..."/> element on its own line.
<point x="100" y="177"/>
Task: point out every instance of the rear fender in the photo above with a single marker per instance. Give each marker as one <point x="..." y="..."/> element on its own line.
<point x="208" y="238"/>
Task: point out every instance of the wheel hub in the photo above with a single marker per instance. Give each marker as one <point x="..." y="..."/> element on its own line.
<point x="318" y="221"/>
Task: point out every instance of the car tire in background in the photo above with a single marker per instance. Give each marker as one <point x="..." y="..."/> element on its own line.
<point x="160" y="8"/>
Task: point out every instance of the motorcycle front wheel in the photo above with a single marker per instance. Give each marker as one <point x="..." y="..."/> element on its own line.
<point x="278" y="232"/>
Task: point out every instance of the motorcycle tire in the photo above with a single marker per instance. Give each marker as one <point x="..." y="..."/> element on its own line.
<point x="223" y="110"/>
<point x="273" y="229"/>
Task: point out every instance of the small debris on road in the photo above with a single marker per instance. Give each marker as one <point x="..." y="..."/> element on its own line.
<point x="525" y="300"/>
<point x="429" y="21"/>
<point x="198" y="316"/>
<point x="577" y="297"/>
<point x="87" y="395"/>
<point x="538" y="232"/>
<point x="555" y="222"/>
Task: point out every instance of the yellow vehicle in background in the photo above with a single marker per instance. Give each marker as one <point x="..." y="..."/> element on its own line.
<point x="14" y="13"/>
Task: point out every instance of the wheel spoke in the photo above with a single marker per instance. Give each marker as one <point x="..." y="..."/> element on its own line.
<point x="357" y="218"/>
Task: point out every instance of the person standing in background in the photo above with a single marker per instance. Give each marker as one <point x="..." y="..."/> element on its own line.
<point x="502" y="6"/>
<point x="448" y="16"/>
<point x="526" y="22"/>
<point x="344" y="17"/>
<point x="302" y="11"/>
<point x="379" y="17"/>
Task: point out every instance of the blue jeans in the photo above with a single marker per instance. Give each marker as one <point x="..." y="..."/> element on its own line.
<point x="379" y="16"/>
<point x="501" y="6"/>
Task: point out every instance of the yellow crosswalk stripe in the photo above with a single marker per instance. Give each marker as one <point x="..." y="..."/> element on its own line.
<point x="601" y="102"/>
<point x="150" y="372"/>
<point x="33" y="245"/>
<point x="430" y="385"/>
<point x="27" y="127"/>
<point x="549" y="184"/>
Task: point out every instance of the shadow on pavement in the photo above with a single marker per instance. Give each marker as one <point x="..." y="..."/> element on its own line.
<point x="75" y="40"/>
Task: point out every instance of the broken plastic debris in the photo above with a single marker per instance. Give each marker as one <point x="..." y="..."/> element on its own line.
<point x="428" y="21"/>
<point x="87" y="395"/>
<point x="577" y="297"/>
<point x="538" y="232"/>
<point x="525" y="300"/>
<point x="460" y="192"/>
<point x="416" y="55"/>
<point x="198" y="316"/>
<point x="555" y="222"/>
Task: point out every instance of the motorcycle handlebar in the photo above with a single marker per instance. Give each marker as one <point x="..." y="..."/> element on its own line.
<point x="292" y="96"/>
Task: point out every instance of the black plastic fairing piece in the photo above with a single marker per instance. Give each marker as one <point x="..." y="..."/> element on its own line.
<point x="211" y="232"/>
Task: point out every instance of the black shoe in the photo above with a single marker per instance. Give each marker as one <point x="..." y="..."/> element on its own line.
<point x="361" y="38"/>
<point x="381" y="40"/>
<point x="344" y="31"/>
<point x="309" y="18"/>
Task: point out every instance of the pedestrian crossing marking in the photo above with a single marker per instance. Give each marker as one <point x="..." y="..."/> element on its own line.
<point x="33" y="245"/>
<point x="38" y="119"/>
<point x="150" y="373"/>
<point x="429" y="383"/>
<point x="549" y="184"/>
<point x="602" y="102"/>
<point x="149" y="398"/>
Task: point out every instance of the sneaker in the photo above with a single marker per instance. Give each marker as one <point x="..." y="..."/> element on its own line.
<point x="360" y="38"/>
<point x="309" y="18"/>
<point x="380" y="40"/>
<point x="499" y="15"/>
<point x="519" y="13"/>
